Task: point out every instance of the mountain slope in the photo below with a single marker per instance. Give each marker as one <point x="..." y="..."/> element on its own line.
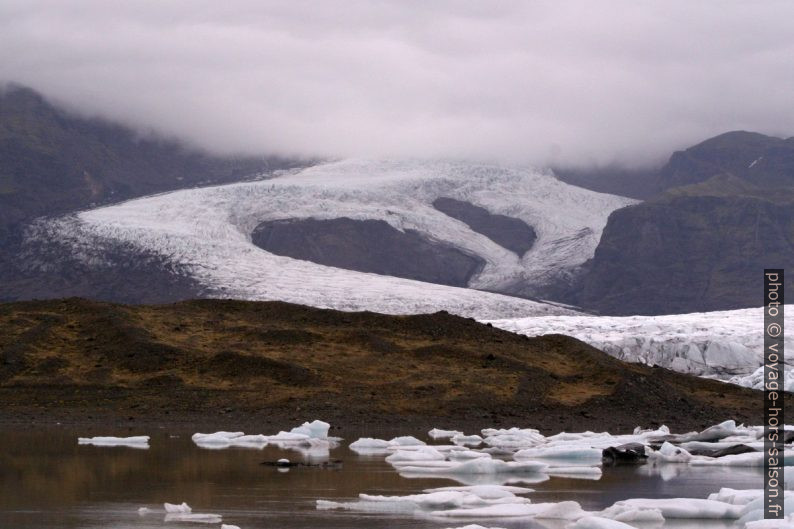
<point x="692" y="250"/>
<point x="275" y="361"/>
<point x="53" y="162"/>
<point x="701" y="245"/>
<point x="760" y="160"/>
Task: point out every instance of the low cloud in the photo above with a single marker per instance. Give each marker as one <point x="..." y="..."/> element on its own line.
<point x="569" y="82"/>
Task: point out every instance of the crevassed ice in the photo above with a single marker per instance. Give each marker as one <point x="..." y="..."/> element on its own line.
<point x="723" y="344"/>
<point x="208" y="231"/>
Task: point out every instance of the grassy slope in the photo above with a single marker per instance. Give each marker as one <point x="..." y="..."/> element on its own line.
<point x="231" y="362"/>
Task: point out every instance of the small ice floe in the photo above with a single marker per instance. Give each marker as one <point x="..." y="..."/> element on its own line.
<point x="465" y="455"/>
<point x="313" y="430"/>
<point x="476" y="466"/>
<point x="630" y="514"/>
<point x="183" y="508"/>
<point x="782" y="523"/>
<point x="227" y="526"/>
<point x="692" y="508"/>
<point x="193" y="518"/>
<point x="140" y="441"/>
<point x="474" y="526"/>
<point x="368" y="443"/>
<point x="183" y="513"/>
<point x="462" y="439"/>
<point x="424" y="453"/>
<point x="712" y="433"/>
<point x="566" y="510"/>
<point x="436" y="433"/>
<point x="406" y="440"/>
<point x="598" y="522"/>
<point x="486" y="492"/>
<point x="143" y="511"/>
<point x="513" y="437"/>
<point x="438" y="500"/>
<point x="580" y="455"/>
<point x="750" y="459"/>
<point x="223" y="440"/>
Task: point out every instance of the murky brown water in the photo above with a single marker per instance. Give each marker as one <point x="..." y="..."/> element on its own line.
<point x="48" y="481"/>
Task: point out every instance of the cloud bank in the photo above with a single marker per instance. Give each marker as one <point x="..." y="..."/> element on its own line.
<point x="561" y="82"/>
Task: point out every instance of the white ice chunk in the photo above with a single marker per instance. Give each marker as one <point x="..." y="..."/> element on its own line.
<point x="466" y="439"/>
<point x="597" y="522"/>
<point x="174" y="508"/>
<point x="140" y="441"/>
<point x="406" y="440"/>
<point x="193" y="518"/>
<point x="436" y="433"/>
<point x="516" y="510"/>
<point x="313" y="430"/>
<point x="219" y="437"/>
<point x="425" y="453"/>
<point x="583" y="455"/>
<point x="480" y="466"/>
<point x="486" y="492"/>
<point x="685" y="507"/>
<point x="369" y="443"/>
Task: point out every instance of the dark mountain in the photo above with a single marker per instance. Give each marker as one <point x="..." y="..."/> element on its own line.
<point x="725" y="212"/>
<point x="759" y="160"/>
<point x="53" y="162"/>
<point x="508" y="232"/>
<point x="688" y="254"/>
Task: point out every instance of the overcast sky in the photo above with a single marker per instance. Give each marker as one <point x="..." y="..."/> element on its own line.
<point x="519" y="82"/>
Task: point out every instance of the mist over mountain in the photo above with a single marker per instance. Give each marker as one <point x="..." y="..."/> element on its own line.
<point x="575" y="84"/>
<point x="53" y="162"/>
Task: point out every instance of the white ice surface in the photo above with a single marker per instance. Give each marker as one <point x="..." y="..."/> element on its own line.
<point x="208" y="231"/>
<point x="724" y="344"/>
<point x="140" y="441"/>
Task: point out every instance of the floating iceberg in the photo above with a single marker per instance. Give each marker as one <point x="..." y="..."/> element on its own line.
<point x="693" y="508"/>
<point x="183" y="508"/>
<point x="193" y="518"/>
<point x="436" y="433"/>
<point x="597" y="522"/>
<point x="141" y="441"/>
<point x="582" y="455"/>
<point x="479" y="466"/>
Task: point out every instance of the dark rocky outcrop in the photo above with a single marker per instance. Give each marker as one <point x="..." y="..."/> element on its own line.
<point x="508" y="232"/>
<point x="630" y="453"/>
<point x="688" y="253"/>
<point x="760" y="160"/>
<point x="368" y="246"/>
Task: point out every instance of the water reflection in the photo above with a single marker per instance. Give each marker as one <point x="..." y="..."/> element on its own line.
<point x="48" y="481"/>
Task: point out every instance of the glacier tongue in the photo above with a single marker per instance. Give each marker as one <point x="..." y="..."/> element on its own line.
<point x="208" y="231"/>
<point x="725" y="344"/>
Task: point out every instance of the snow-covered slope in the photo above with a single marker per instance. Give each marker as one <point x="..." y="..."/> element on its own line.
<point x="726" y="344"/>
<point x="208" y="230"/>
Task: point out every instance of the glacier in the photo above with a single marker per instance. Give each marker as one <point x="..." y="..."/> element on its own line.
<point x="208" y="232"/>
<point x="727" y="345"/>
